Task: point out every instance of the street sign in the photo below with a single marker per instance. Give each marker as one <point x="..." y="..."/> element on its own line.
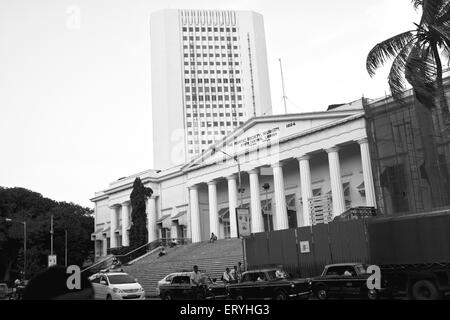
<point x="243" y="222"/>
<point x="304" y="247"/>
<point x="51" y="260"/>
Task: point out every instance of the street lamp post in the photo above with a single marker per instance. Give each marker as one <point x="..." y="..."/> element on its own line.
<point x="240" y="189"/>
<point x="266" y="187"/>
<point x="24" y="223"/>
<point x="65" y="247"/>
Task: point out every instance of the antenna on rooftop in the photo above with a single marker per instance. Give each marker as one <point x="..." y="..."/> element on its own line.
<point x="282" y="84"/>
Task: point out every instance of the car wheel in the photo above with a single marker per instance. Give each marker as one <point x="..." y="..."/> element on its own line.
<point x="281" y="295"/>
<point x="108" y="297"/>
<point x="210" y="296"/>
<point x="199" y="296"/>
<point x="425" y="290"/>
<point x="372" y="294"/>
<point x="321" y="293"/>
<point x="167" y="296"/>
<point x="239" y="297"/>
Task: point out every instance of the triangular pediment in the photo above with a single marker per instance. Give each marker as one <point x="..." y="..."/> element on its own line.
<point x="259" y="132"/>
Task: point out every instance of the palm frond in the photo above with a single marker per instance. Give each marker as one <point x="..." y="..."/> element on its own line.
<point x="417" y="3"/>
<point x="446" y="55"/>
<point x="396" y="77"/>
<point x="442" y="32"/>
<point x="421" y="72"/>
<point x="443" y="15"/>
<point x="387" y="50"/>
<point x="430" y="10"/>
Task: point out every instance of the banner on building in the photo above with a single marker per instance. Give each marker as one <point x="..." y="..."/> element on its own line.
<point x="243" y="222"/>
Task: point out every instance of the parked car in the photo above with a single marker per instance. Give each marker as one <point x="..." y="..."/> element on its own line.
<point x="269" y="283"/>
<point x="4" y="290"/>
<point x="180" y="288"/>
<point x="344" y="280"/>
<point x="168" y="279"/>
<point x="116" y="286"/>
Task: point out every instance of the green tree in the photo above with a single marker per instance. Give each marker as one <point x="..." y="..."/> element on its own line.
<point x="25" y="205"/>
<point x="416" y="57"/>
<point x="138" y="229"/>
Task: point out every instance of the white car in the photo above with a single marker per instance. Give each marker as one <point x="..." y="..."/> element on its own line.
<point x="168" y="279"/>
<point x="116" y="286"/>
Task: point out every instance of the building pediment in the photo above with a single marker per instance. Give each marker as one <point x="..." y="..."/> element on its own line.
<point x="260" y="133"/>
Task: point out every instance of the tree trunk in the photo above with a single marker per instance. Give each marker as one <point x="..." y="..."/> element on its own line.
<point x="445" y="131"/>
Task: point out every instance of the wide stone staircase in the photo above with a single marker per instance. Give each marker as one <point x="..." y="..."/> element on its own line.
<point x="211" y="258"/>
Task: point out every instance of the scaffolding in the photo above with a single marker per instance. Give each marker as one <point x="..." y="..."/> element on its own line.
<point x="410" y="155"/>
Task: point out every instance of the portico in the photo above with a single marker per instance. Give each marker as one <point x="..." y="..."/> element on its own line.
<point x="286" y="157"/>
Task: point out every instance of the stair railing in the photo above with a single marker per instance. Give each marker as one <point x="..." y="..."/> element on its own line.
<point x="133" y="253"/>
<point x="140" y="251"/>
<point x="96" y="267"/>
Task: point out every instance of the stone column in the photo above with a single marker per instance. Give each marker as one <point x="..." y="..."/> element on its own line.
<point x="195" y="214"/>
<point x="280" y="198"/>
<point x="213" y="211"/>
<point x="105" y="246"/>
<point x="113" y="225"/>
<point x="125" y="224"/>
<point x="337" y="192"/>
<point x="233" y="203"/>
<point x="255" y="202"/>
<point x="173" y="231"/>
<point x="367" y="173"/>
<point x="306" y="187"/>
<point x="151" y="219"/>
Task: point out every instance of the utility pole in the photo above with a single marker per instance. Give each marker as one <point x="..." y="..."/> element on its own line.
<point x="235" y="158"/>
<point x="241" y="191"/>
<point x="266" y="187"/>
<point x="24" y="248"/>
<point x="282" y="84"/>
<point x="51" y="234"/>
<point x="65" y="246"/>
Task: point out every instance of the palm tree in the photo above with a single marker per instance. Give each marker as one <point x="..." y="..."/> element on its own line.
<point x="417" y="57"/>
<point x="415" y="53"/>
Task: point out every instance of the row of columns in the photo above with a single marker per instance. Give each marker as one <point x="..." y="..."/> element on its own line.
<point x="125" y="214"/>
<point x="125" y="206"/>
<point x="282" y="222"/>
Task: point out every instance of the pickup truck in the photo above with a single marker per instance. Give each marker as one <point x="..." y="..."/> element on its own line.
<point x="269" y="284"/>
<point x="344" y="280"/>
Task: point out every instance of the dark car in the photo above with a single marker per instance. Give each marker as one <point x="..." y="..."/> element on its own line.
<point x="269" y="283"/>
<point x="179" y="288"/>
<point x="344" y="280"/>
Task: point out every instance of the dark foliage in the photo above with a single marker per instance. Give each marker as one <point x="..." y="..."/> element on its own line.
<point x="138" y="230"/>
<point x="25" y="205"/>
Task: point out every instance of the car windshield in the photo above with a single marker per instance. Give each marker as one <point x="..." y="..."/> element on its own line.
<point x="121" y="279"/>
<point x="277" y="274"/>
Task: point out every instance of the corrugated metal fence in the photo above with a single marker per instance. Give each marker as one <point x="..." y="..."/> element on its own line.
<point x="305" y="251"/>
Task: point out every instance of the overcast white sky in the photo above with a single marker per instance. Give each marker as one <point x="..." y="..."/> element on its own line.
<point x="75" y="103"/>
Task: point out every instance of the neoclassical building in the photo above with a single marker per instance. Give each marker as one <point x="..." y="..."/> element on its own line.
<point x="289" y="170"/>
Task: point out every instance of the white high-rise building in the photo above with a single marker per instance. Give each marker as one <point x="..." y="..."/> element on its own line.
<point x="209" y="75"/>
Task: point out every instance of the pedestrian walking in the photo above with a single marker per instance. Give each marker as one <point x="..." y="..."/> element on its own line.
<point x="196" y="279"/>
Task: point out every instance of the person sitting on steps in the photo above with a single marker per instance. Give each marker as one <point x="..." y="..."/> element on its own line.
<point x="213" y="237"/>
<point x="162" y="252"/>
